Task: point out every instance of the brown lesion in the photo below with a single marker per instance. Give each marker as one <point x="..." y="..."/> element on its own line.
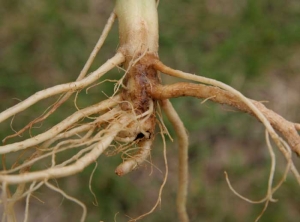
<point x="137" y="98"/>
<point x="139" y="78"/>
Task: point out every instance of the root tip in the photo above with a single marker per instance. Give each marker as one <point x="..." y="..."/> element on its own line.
<point x="119" y="172"/>
<point x="125" y="167"/>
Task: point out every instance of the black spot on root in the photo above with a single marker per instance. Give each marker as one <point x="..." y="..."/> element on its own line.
<point x="139" y="136"/>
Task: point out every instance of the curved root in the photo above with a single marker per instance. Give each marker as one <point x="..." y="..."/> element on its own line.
<point x="182" y="158"/>
<point x="73" y="86"/>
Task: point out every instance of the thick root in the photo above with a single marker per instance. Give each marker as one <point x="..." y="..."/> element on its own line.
<point x="215" y="94"/>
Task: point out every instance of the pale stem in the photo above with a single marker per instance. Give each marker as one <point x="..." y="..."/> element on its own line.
<point x="138" y="26"/>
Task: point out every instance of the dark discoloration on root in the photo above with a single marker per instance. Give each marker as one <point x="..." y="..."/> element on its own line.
<point x="140" y="77"/>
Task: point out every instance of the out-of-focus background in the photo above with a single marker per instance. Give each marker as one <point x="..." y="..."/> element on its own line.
<point x="252" y="45"/>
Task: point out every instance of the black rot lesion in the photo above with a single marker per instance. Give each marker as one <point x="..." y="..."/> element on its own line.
<point x="136" y="96"/>
<point x="141" y="136"/>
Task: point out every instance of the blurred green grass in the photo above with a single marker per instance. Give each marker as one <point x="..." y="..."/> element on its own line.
<point x="252" y="45"/>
